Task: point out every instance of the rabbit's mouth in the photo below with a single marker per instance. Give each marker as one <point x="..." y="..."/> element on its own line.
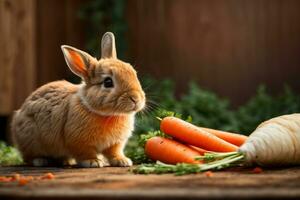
<point x="130" y="107"/>
<point x="136" y="105"/>
<point x="130" y="103"/>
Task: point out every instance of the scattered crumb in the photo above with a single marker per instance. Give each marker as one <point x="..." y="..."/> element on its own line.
<point x="48" y="176"/>
<point x="30" y="178"/>
<point x="23" y="181"/>
<point x="257" y="170"/>
<point x="5" y="179"/>
<point x="208" y="173"/>
<point x="16" y="177"/>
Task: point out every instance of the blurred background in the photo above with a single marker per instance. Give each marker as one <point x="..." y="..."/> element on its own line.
<point x="229" y="64"/>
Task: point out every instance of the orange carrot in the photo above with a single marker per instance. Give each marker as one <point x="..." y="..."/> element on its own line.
<point x="48" y="176"/>
<point x="5" y="179"/>
<point x="208" y="173"/>
<point x="16" y="177"/>
<point x="257" y="170"/>
<point x="23" y="181"/>
<point x="29" y="178"/>
<point x="194" y="135"/>
<point x="200" y="150"/>
<point x="170" y="151"/>
<point x="233" y="138"/>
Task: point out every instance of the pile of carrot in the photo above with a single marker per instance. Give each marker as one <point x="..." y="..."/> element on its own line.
<point x="23" y="180"/>
<point x="189" y="141"/>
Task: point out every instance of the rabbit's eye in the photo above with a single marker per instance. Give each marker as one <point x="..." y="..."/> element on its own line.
<point x="108" y="82"/>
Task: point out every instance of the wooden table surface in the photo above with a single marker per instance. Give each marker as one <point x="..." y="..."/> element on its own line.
<point x="119" y="183"/>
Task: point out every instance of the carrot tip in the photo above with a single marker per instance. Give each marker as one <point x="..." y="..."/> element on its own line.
<point x="257" y="170"/>
<point x="48" y="176"/>
<point x="208" y="173"/>
<point x="23" y="181"/>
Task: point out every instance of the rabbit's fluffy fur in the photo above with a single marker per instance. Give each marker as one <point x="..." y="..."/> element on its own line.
<point x="90" y="122"/>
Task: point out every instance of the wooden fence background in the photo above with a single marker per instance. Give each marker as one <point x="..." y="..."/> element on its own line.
<point x="228" y="46"/>
<point x="31" y="32"/>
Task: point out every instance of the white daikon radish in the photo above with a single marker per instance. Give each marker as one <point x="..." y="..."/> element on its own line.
<point x="275" y="142"/>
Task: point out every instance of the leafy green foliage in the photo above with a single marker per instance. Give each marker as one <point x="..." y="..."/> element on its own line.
<point x="263" y="106"/>
<point x="212" y="161"/>
<point x="207" y="109"/>
<point x="204" y="107"/>
<point x="9" y="155"/>
<point x="160" y="168"/>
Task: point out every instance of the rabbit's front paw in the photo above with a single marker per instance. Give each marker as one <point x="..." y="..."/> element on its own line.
<point x="93" y="163"/>
<point x="120" y="162"/>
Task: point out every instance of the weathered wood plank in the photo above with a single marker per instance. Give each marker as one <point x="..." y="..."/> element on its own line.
<point x="118" y="183"/>
<point x="18" y="52"/>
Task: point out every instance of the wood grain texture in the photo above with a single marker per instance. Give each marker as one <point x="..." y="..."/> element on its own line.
<point x="18" y="56"/>
<point x="63" y="27"/>
<point x="227" y="46"/>
<point x="119" y="183"/>
<point x="51" y="34"/>
<point x="31" y="33"/>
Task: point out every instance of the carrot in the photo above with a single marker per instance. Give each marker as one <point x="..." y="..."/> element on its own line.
<point x="257" y="170"/>
<point x="48" y="176"/>
<point x="16" y="177"/>
<point x="200" y="150"/>
<point x="23" y="181"/>
<point x="233" y="138"/>
<point x="29" y="178"/>
<point x="170" y="151"/>
<point x="208" y="173"/>
<point x="5" y="179"/>
<point x="194" y="135"/>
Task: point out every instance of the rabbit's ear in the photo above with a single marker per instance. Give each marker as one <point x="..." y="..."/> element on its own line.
<point x="77" y="60"/>
<point x="108" y="46"/>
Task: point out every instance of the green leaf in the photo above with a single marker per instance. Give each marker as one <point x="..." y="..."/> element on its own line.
<point x="9" y="155"/>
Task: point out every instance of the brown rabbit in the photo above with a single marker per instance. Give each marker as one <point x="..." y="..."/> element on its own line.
<point x="90" y="122"/>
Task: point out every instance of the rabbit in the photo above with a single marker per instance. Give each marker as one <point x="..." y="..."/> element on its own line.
<point x="89" y="122"/>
